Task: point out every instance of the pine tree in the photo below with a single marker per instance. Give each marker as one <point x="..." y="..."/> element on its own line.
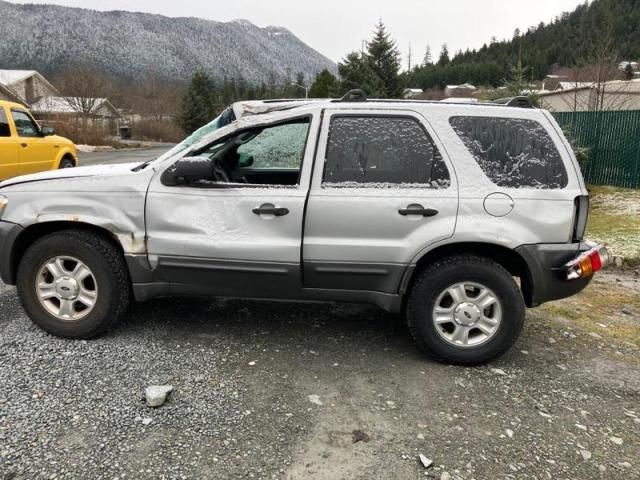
<point x="428" y="59"/>
<point x="356" y="72"/>
<point x="384" y="59"/>
<point x="444" y="56"/>
<point x="198" y="105"/>
<point x="324" y="86"/>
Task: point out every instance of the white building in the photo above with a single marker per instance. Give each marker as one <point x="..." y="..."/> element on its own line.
<point x="589" y="96"/>
<point x="24" y="86"/>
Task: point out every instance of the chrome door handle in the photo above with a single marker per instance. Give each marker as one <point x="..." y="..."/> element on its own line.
<point x="269" y="209"/>
<point x="416" y="209"/>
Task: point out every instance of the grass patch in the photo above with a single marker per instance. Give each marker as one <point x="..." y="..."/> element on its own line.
<point x="614" y="219"/>
<point x="598" y="309"/>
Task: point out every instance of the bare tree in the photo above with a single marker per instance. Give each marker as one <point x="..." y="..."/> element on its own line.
<point x="83" y="90"/>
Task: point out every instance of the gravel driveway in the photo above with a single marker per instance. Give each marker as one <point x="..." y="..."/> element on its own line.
<point x="268" y="390"/>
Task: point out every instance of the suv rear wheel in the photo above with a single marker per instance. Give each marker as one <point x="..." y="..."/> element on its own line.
<point x="74" y="284"/>
<point x="465" y="310"/>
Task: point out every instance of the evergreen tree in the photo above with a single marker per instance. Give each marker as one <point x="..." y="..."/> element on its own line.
<point x="198" y="106"/>
<point x="444" y="56"/>
<point x="324" y="86"/>
<point x="428" y="58"/>
<point x="384" y="59"/>
<point x="356" y="72"/>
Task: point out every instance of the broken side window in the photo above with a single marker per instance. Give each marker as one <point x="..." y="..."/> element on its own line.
<point x="513" y="152"/>
<point x="383" y="152"/>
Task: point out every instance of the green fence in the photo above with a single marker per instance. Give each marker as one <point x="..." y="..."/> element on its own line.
<point x="613" y="139"/>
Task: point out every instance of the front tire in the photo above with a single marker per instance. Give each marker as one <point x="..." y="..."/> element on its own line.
<point x="67" y="163"/>
<point x="465" y="310"/>
<point x="74" y="284"/>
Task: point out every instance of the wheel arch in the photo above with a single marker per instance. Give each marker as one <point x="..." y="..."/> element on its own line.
<point x="509" y="259"/>
<point x="31" y="234"/>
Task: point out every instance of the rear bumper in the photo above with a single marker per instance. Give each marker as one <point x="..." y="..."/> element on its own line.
<point x="548" y="272"/>
<point x="9" y="232"/>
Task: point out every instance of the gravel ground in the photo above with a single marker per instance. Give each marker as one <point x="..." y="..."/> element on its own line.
<point x="267" y="390"/>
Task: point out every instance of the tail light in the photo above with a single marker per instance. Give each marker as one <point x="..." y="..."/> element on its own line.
<point x="588" y="263"/>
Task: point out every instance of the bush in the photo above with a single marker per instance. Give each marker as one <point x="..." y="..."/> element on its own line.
<point x="157" y="131"/>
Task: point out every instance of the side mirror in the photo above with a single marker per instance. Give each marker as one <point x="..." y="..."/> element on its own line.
<point x="187" y="170"/>
<point x="245" y="161"/>
<point x="47" y="131"/>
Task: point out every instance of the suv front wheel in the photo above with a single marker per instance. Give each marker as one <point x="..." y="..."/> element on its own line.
<point x="465" y="310"/>
<point x="74" y="284"/>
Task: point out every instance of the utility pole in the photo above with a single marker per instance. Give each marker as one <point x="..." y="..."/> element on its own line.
<point x="409" y="63"/>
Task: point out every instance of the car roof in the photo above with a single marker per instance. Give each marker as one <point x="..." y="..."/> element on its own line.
<point x="6" y="103"/>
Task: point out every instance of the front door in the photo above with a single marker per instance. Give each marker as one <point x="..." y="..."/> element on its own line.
<point x="238" y="232"/>
<point x="383" y="190"/>
<point x="8" y="148"/>
<point x="35" y="152"/>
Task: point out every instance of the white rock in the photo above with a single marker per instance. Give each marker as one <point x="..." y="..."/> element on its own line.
<point x="156" y="395"/>
<point x="426" y="462"/>
<point x="315" y="399"/>
<point x="498" y="371"/>
<point x="147" y="421"/>
<point x="509" y="433"/>
<point x="586" y="454"/>
<point x="445" y="476"/>
<point x="252" y="364"/>
<point x="420" y="436"/>
<point x="624" y="464"/>
<point x="616" y="440"/>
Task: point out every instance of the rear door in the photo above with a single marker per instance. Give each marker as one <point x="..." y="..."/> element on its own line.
<point x="383" y="189"/>
<point x="35" y="153"/>
<point x="8" y="148"/>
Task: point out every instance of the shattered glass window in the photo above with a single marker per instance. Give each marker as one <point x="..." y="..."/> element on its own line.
<point x="383" y="152"/>
<point x="281" y="146"/>
<point x="513" y="152"/>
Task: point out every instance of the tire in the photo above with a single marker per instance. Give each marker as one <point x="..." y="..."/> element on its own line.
<point x="67" y="163"/>
<point x="107" y="286"/>
<point x="466" y="333"/>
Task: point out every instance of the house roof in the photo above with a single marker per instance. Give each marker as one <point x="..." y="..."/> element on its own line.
<point x="464" y="85"/>
<point x="613" y="86"/>
<point x="8" y="78"/>
<point x="69" y="105"/>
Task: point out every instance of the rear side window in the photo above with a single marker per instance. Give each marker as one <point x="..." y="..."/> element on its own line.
<point x="513" y="152"/>
<point x="4" y="124"/>
<point x="383" y="152"/>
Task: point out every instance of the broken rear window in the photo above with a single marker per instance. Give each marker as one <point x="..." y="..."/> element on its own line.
<point x="382" y="152"/>
<point x="513" y="152"/>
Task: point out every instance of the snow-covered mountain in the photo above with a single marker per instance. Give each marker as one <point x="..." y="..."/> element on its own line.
<point x="128" y="45"/>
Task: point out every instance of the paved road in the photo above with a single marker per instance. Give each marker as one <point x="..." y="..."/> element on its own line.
<point x="122" y="156"/>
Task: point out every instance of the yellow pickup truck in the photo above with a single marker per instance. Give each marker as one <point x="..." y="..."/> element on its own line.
<point x="26" y="148"/>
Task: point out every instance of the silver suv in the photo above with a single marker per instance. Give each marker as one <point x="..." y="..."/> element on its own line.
<point x="458" y="215"/>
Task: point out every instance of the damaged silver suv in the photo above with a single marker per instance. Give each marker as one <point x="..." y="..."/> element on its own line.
<point x="458" y="215"/>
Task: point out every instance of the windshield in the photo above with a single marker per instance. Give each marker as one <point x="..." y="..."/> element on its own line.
<point x="222" y="120"/>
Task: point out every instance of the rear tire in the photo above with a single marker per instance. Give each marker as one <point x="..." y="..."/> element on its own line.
<point x="74" y="284"/>
<point x="465" y="310"/>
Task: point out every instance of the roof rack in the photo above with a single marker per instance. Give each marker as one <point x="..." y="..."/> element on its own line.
<point x="358" y="95"/>
<point x="355" y="95"/>
<point x="520" y="102"/>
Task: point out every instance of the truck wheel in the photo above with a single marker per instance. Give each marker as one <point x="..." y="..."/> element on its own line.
<point x="465" y="310"/>
<point x="74" y="284"/>
<point x="67" y="163"/>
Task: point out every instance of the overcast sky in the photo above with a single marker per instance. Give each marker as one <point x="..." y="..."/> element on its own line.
<point x="336" y="27"/>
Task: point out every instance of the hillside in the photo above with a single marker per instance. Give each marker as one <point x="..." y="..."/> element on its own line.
<point x="129" y="45"/>
<point x="570" y="39"/>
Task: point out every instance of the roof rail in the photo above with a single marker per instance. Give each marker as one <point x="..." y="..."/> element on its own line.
<point x="520" y="102"/>
<point x="355" y="95"/>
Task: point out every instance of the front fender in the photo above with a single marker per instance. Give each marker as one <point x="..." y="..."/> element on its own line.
<point x="66" y="151"/>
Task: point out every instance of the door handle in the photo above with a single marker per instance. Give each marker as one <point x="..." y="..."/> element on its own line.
<point x="269" y="209"/>
<point x="24" y="145"/>
<point x="417" y="209"/>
